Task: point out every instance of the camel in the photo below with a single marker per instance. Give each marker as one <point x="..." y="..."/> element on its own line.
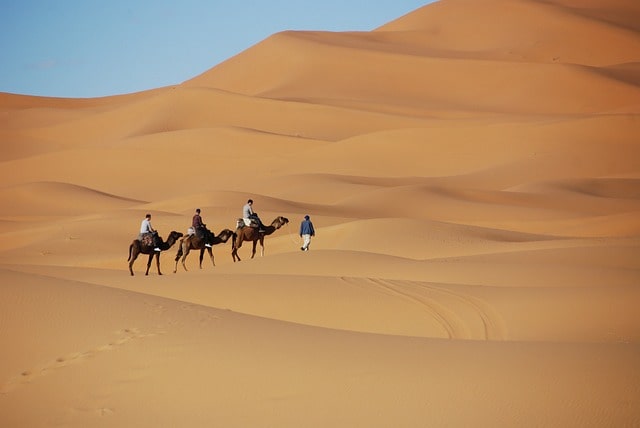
<point x="247" y="233"/>
<point x="192" y="242"/>
<point x="136" y="248"/>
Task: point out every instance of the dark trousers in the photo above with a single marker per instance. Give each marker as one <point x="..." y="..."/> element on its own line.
<point x="257" y="219"/>
<point x="204" y="234"/>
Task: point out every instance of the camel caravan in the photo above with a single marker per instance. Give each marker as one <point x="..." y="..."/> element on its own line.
<point x="249" y="228"/>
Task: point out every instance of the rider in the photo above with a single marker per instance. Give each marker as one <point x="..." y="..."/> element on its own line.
<point x="146" y="228"/>
<point x="201" y="229"/>
<point x="248" y="215"/>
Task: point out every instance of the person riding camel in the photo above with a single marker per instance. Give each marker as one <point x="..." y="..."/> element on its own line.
<point x="250" y="217"/>
<point x="201" y="229"/>
<point x="147" y="230"/>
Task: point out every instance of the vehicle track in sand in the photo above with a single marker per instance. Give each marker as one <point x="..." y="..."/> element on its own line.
<point x="460" y="315"/>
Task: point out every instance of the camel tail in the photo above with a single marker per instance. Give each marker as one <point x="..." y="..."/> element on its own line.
<point x="179" y="252"/>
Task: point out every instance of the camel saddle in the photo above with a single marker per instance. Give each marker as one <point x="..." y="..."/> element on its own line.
<point x="246" y="222"/>
<point x="146" y="239"/>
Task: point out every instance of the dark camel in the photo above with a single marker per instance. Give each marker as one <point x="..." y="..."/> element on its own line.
<point x="247" y="233"/>
<point x="136" y="248"/>
<point x="192" y="242"/>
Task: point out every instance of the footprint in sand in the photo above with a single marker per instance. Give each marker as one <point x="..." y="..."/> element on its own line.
<point x="204" y="314"/>
<point x="27" y="376"/>
<point x="105" y="411"/>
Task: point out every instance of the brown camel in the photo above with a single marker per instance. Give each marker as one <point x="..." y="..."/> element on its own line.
<point x="246" y="233"/>
<point x="192" y="242"/>
<point x="136" y="248"/>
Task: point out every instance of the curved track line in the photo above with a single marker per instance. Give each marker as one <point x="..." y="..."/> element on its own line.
<point x="436" y="311"/>
<point x="454" y="325"/>
<point x="494" y="327"/>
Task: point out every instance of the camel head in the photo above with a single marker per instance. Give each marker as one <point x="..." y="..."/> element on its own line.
<point x="225" y="234"/>
<point x="279" y="222"/>
<point x="176" y="235"/>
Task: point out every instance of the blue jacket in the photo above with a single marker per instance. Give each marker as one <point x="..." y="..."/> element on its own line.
<point x="306" y="228"/>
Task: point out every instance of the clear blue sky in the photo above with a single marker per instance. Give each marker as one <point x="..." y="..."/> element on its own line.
<point x="91" y="48"/>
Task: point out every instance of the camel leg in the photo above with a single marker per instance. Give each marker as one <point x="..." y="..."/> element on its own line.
<point x="133" y="255"/>
<point x="211" y="256"/>
<point x="184" y="258"/>
<point x="133" y="259"/>
<point x="201" y="256"/>
<point x="175" y="268"/>
<point x="253" y="249"/>
<point x="236" y="246"/>
<point x="149" y="263"/>
<point x="158" y="262"/>
<point x="181" y="251"/>
<point x="261" y="246"/>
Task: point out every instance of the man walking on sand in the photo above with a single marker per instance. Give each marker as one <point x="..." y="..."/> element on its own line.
<point x="306" y="232"/>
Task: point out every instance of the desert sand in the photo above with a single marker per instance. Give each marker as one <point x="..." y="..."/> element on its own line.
<point x="472" y="170"/>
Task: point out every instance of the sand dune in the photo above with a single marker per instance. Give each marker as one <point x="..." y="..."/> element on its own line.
<point x="52" y="199"/>
<point x="528" y="87"/>
<point x="473" y="173"/>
